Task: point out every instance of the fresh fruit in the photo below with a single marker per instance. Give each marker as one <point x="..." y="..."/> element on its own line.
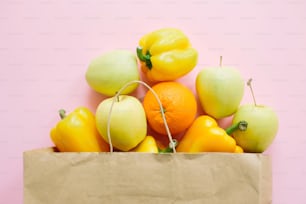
<point x="220" y="90"/>
<point x="147" y="145"/>
<point x="128" y="125"/>
<point x="108" y="73"/>
<point x="166" y="54"/>
<point x="262" y="126"/>
<point x="205" y="135"/>
<point x="179" y="106"/>
<point x="77" y="132"/>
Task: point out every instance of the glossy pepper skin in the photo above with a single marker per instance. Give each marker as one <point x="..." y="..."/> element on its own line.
<point x="147" y="145"/>
<point x="166" y="54"/>
<point x="150" y="145"/>
<point x="204" y="135"/>
<point x="77" y="132"/>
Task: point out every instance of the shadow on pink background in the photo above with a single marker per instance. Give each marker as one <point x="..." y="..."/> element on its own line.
<point x="46" y="46"/>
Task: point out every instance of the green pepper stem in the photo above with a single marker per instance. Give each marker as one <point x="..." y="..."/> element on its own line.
<point x="169" y="149"/>
<point x="144" y="58"/>
<point x="62" y="113"/>
<point x="241" y="125"/>
<point x="140" y="54"/>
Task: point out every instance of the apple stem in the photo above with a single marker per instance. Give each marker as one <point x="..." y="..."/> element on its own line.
<point x="220" y="61"/>
<point x="117" y="96"/>
<point x="249" y="83"/>
<point x="241" y="125"/>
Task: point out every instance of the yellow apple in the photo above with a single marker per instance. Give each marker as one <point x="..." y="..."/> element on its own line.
<point x="220" y="90"/>
<point x="128" y="125"/>
<point x="262" y="126"/>
<point x="107" y="73"/>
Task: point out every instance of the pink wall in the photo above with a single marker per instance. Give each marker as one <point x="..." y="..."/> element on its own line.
<point x="46" y="45"/>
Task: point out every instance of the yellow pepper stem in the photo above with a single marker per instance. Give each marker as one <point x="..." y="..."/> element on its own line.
<point x="169" y="149"/>
<point x="62" y="113"/>
<point x="144" y="58"/>
<point x="241" y="125"/>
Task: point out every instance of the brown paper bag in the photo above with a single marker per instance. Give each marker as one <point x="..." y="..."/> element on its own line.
<point x="121" y="177"/>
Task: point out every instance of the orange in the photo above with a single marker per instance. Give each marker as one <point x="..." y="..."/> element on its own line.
<point x="179" y="106"/>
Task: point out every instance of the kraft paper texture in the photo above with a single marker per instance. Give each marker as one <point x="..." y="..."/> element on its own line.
<point x="120" y="177"/>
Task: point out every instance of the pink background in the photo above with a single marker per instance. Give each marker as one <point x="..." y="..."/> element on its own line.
<point x="46" y="46"/>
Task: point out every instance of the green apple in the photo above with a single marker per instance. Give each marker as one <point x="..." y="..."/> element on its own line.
<point x="106" y="74"/>
<point x="262" y="126"/>
<point x="128" y="125"/>
<point x="220" y="90"/>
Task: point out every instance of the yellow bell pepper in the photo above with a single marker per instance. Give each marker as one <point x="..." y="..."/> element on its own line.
<point x="238" y="149"/>
<point x="147" y="145"/>
<point x="166" y="54"/>
<point x="204" y="135"/>
<point x="150" y="145"/>
<point x="77" y="132"/>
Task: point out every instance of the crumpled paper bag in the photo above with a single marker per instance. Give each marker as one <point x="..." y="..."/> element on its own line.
<point x="120" y="177"/>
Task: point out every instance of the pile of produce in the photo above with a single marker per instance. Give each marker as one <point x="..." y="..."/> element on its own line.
<point x="121" y="120"/>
